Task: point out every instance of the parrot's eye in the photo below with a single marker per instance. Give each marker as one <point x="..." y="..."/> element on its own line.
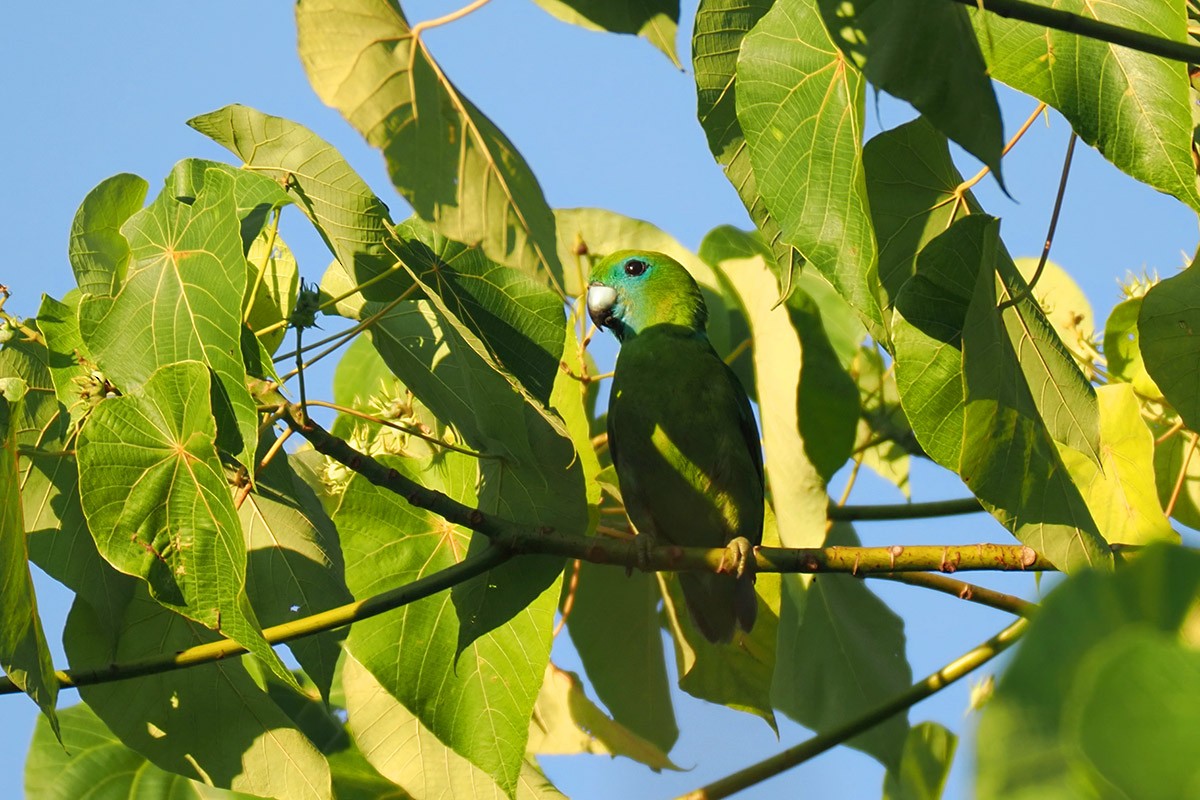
<point x="635" y="267"/>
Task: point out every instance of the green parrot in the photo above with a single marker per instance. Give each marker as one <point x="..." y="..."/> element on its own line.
<point x="682" y="436"/>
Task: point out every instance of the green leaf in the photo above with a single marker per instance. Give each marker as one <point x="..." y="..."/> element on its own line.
<point x="1121" y="492"/>
<point x="1030" y="740"/>
<point x="1122" y="349"/>
<point x="598" y="232"/>
<point x="1167" y="328"/>
<point x="24" y="654"/>
<point x="274" y="281"/>
<point x="511" y="321"/>
<point x="801" y="110"/>
<point x="1133" y="716"/>
<point x="59" y="326"/>
<point x="1065" y="306"/>
<point x="92" y="762"/>
<point x="615" y="629"/>
<point x="1024" y="397"/>
<point x="656" y="21"/>
<point x="397" y="744"/>
<point x="349" y="217"/>
<point x="157" y="502"/>
<point x="477" y="699"/>
<point x="255" y="195"/>
<point x="181" y="300"/>
<point x="98" y="252"/>
<point x="720" y="27"/>
<point x="1170" y="458"/>
<point x="911" y="184"/>
<point x="566" y="722"/>
<point x="798" y="487"/>
<point x="1131" y="106"/>
<point x="210" y="723"/>
<point x="457" y="169"/>
<point x="294" y="562"/>
<point x="841" y="653"/>
<point x="927" y="330"/>
<point x="924" y="764"/>
<point x="925" y="52"/>
<point x="884" y="433"/>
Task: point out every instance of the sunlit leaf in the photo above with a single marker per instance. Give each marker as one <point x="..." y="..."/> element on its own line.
<point x="1031" y="737"/>
<point x="1166" y="327"/>
<point x="99" y="253"/>
<point x="566" y="722"/>
<point x="1131" y="106"/>
<point x="255" y="194"/>
<point x="457" y="169"/>
<point x="211" y="723"/>
<point x="1122" y="349"/>
<point x="924" y="764"/>
<point x="656" y="21"/>
<point x="801" y="107"/>
<point x="1065" y="305"/>
<point x="159" y="507"/>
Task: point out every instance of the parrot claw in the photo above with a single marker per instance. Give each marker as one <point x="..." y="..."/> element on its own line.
<point x="739" y="553"/>
<point x="643" y="544"/>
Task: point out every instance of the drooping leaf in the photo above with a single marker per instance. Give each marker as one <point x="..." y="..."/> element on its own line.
<point x="66" y="355"/>
<point x="720" y="27"/>
<point x="911" y="183"/>
<point x="924" y="764"/>
<point x="157" y="502"/>
<point x="841" y="653"/>
<point x="98" y="252"/>
<point x="1122" y="349"/>
<point x="1168" y="327"/>
<point x="457" y="169"/>
<point x="801" y="107"/>
<point x="181" y="300"/>
<point x="566" y="722"/>
<point x="346" y="213"/>
<point x="1031" y="739"/>
<point x="294" y="562"/>
<point x="1120" y="492"/>
<point x="513" y="322"/>
<point x="255" y="194"/>
<point x="615" y="628"/>
<point x="90" y="756"/>
<point x="925" y="52"/>
<point x="1007" y="421"/>
<point x="274" y="280"/>
<point x="656" y="21"/>
<point x="210" y="723"/>
<point x="1131" y="106"/>
<point x="397" y="744"/>
<point x="24" y="655"/>
<point x="1066" y="307"/>
<point x="476" y="699"/>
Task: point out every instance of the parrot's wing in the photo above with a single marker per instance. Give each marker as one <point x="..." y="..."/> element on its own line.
<point x="746" y="422"/>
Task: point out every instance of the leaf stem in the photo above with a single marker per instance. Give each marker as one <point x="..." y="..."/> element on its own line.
<point x="963" y="591"/>
<point x="262" y="272"/>
<point x="1183" y="468"/>
<point x="1093" y="29"/>
<point x="935" y="508"/>
<point x="338" y="617"/>
<point x="453" y="16"/>
<point x="402" y="428"/>
<point x="810" y="748"/>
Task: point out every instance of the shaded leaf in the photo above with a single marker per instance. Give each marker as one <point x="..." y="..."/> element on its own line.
<point x="1169" y="338"/>
<point x="801" y="108"/>
<point x="925" y="52"/>
<point x="477" y="699"/>
<point x="457" y="169"/>
<point x="1131" y="106"/>
<point x="566" y="722"/>
<point x="98" y="252"/>
<point x="346" y="213"/>
<point x="159" y="507"/>
<point x="884" y="435"/>
<point x="1170" y="458"/>
<point x="720" y="27"/>
<point x="841" y="653"/>
<point x="180" y="300"/>
<point x="255" y="195"/>
<point x="924" y="764"/>
<point x="90" y="757"/>
<point x="65" y="355"/>
<point x="1065" y="306"/>
<point x="210" y="723"/>
<point x="397" y="744"/>
<point x="1028" y="745"/>
<point x="656" y="21"/>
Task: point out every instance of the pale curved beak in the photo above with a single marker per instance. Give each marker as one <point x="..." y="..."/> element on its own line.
<point x="600" y="302"/>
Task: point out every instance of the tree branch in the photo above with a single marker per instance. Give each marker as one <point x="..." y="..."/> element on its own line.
<point x="962" y="590"/>
<point x="1091" y="28"/>
<point x="793" y="756"/>
<point x="936" y="508"/>
<point x="307" y="626"/>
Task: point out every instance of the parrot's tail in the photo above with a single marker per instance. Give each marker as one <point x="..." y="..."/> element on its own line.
<point x="719" y="603"/>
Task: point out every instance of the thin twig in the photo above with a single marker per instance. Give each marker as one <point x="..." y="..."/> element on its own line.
<point x="1174" y="429"/>
<point x="806" y="750"/>
<point x="569" y="603"/>
<point x="935" y="508"/>
<point x="262" y="273"/>
<point x="1182" y="474"/>
<point x="453" y="16"/>
<point x="963" y="590"/>
<point x="402" y="428"/>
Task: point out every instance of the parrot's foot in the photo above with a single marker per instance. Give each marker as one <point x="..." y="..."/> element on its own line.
<point x="643" y="543"/>
<point x="738" y="554"/>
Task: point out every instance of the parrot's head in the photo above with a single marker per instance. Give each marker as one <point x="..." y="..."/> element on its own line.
<point x="632" y="290"/>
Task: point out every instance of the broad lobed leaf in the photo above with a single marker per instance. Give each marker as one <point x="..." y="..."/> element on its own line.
<point x="656" y="21"/>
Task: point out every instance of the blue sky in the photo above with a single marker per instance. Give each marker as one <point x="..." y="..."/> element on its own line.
<point x="604" y="120"/>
